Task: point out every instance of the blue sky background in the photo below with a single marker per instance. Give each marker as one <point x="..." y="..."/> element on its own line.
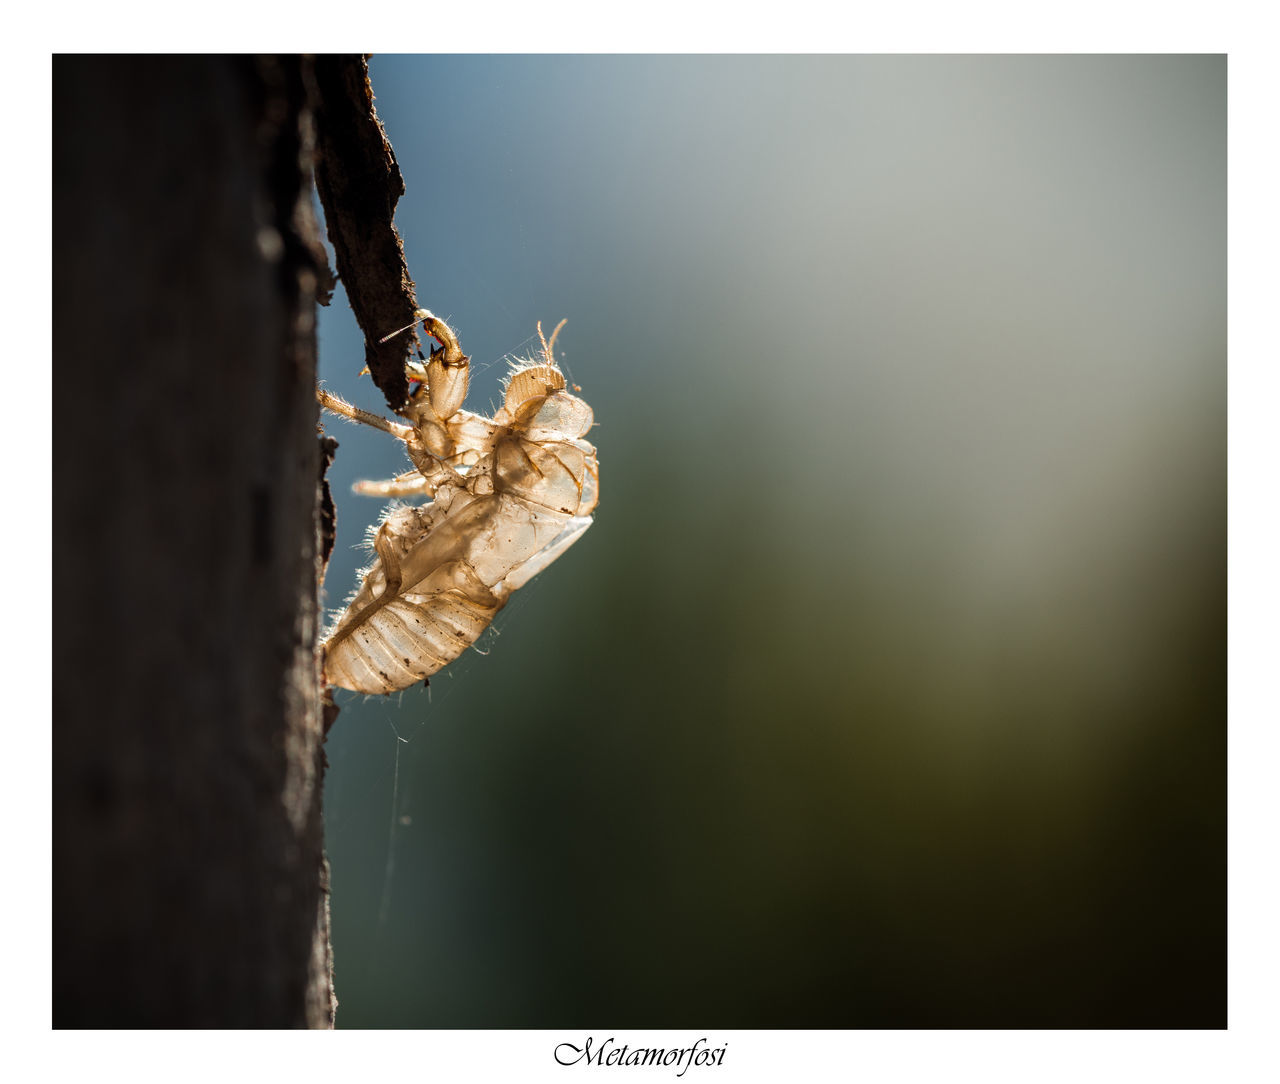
<point x="888" y="688"/>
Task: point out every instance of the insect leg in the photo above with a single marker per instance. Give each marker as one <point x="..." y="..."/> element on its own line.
<point x="335" y="405"/>
<point x="434" y="471"/>
<point x="448" y="371"/>
<point x="412" y="484"/>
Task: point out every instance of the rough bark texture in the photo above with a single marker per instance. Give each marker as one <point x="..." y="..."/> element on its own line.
<point x="359" y="183"/>
<point x="190" y="885"/>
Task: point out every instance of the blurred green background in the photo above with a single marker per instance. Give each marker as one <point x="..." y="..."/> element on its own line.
<point x="889" y="687"/>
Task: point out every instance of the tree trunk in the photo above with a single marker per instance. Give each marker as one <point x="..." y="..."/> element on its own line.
<point x="190" y="884"/>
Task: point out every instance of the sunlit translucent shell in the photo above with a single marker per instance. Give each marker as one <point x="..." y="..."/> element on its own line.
<point x="529" y="498"/>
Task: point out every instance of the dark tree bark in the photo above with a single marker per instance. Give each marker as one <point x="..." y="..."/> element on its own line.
<point x="359" y="183"/>
<point x="190" y="885"/>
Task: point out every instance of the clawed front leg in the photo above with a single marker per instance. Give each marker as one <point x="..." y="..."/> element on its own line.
<point x="448" y="370"/>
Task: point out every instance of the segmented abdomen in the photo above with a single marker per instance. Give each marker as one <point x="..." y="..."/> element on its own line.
<point x="407" y="640"/>
<point x="440" y="578"/>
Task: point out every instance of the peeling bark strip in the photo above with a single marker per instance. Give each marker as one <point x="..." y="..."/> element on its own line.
<point x="189" y="873"/>
<point x="327" y="522"/>
<point x="359" y="183"/>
